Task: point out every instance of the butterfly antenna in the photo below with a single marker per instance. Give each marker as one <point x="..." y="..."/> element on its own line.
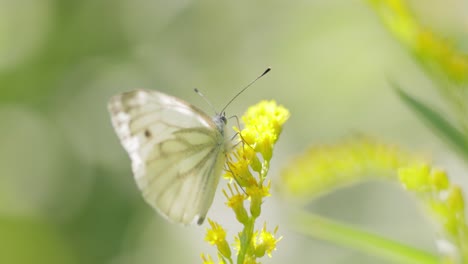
<point x="245" y="88"/>
<point x="206" y="100"/>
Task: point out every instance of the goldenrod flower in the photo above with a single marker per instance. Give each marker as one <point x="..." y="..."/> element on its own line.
<point x="267" y="113"/>
<point x="256" y="195"/>
<point x="263" y="125"/>
<point x="439" y="180"/>
<point x="207" y="259"/>
<point x="238" y="166"/>
<point x="446" y="64"/>
<point x="266" y="242"/>
<point x="251" y="260"/>
<point x="236" y="202"/>
<point x="216" y="235"/>
<point x="325" y="168"/>
<point x="444" y="201"/>
<point x="426" y="45"/>
<point x="415" y="177"/>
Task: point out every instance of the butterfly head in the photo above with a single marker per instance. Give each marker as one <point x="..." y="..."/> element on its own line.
<point x="220" y="120"/>
<point x="223" y="118"/>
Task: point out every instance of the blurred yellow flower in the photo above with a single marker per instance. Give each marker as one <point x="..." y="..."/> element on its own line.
<point x="207" y="259"/>
<point x="325" y="168"/>
<point x="426" y="45"/>
<point x="442" y="60"/>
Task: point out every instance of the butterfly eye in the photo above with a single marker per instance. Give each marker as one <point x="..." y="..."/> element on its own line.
<point x="223" y="118"/>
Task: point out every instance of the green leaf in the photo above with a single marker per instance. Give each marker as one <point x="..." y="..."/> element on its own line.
<point x="349" y="236"/>
<point x="435" y="120"/>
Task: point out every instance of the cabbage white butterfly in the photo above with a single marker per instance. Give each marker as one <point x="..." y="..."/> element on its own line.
<point x="177" y="151"/>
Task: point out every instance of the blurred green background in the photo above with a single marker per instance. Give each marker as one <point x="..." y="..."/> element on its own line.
<point x="66" y="190"/>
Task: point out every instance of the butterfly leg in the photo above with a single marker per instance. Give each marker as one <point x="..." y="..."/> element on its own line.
<point x="240" y="134"/>
<point x="234" y="177"/>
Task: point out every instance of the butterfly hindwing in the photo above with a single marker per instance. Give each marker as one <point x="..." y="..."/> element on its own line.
<point x="177" y="152"/>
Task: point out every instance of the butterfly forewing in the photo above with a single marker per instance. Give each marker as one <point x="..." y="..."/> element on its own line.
<point x="177" y="151"/>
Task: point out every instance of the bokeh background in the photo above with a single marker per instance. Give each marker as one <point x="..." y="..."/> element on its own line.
<point x="66" y="191"/>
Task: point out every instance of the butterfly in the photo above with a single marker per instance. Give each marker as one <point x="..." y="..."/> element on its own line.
<point x="177" y="151"/>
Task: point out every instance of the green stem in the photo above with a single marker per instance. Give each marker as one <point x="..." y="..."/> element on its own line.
<point x="329" y="230"/>
<point x="245" y="239"/>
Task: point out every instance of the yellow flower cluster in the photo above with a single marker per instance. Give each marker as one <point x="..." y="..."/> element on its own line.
<point x="443" y="62"/>
<point x="443" y="199"/>
<point x="263" y="125"/>
<point x="247" y="168"/>
<point x="424" y="43"/>
<point x="325" y="168"/>
<point x="216" y="235"/>
<point x="265" y="242"/>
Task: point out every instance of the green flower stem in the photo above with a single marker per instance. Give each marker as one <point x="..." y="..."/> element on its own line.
<point x="333" y="231"/>
<point x="245" y="239"/>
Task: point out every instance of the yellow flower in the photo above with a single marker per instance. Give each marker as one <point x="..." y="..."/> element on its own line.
<point x="207" y="260"/>
<point x="250" y="260"/>
<point x="420" y="40"/>
<point x="263" y="125"/>
<point x="256" y="195"/>
<point x="236" y="202"/>
<point x="217" y="236"/>
<point x="455" y="200"/>
<point x="266" y="242"/>
<point x="323" y="169"/>
<point x="238" y="166"/>
<point x="267" y="112"/>
<point x="415" y="177"/>
<point x="439" y="179"/>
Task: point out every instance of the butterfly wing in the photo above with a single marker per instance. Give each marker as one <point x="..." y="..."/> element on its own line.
<point x="177" y="152"/>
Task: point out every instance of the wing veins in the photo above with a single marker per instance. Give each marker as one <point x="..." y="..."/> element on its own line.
<point x="186" y="173"/>
<point x="190" y="148"/>
<point x="173" y="164"/>
<point x="182" y="176"/>
<point x="206" y="177"/>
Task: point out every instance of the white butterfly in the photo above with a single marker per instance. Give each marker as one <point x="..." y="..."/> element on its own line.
<point x="177" y="151"/>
